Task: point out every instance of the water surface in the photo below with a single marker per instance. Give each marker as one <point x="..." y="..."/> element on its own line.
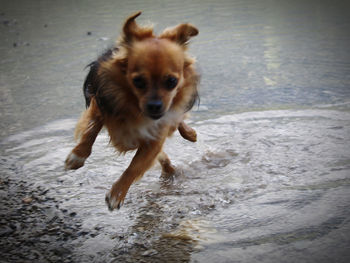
<point x="269" y="176"/>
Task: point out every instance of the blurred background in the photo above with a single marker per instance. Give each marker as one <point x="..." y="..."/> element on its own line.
<point x="268" y="180"/>
<point x="252" y="54"/>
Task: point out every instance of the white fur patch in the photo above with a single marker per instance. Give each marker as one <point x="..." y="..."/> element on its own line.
<point x="113" y="202"/>
<point x="74" y="161"/>
<point x="75" y="158"/>
<point x="148" y="130"/>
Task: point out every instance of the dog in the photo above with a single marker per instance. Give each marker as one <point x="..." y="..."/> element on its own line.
<point x="140" y="91"/>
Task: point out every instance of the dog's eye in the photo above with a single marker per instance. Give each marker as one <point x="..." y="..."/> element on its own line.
<point x="139" y="82"/>
<point x="171" y="82"/>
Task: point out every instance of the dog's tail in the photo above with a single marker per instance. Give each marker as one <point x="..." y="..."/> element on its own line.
<point x="91" y="83"/>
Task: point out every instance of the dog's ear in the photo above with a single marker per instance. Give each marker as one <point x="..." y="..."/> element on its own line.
<point x="180" y="34"/>
<point x="134" y="32"/>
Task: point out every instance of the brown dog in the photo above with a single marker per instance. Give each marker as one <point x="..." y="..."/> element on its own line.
<point x="140" y="90"/>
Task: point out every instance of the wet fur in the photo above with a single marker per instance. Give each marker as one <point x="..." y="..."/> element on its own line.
<point x="114" y="101"/>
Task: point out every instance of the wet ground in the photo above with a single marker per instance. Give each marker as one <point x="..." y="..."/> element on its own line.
<point x="268" y="179"/>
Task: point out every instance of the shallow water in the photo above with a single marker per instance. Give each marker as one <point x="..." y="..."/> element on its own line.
<point x="256" y="186"/>
<point x="269" y="177"/>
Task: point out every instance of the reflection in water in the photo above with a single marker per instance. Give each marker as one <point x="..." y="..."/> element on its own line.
<point x="272" y="57"/>
<point x="147" y="238"/>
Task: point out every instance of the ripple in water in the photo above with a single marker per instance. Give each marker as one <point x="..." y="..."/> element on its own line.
<point x="256" y="185"/>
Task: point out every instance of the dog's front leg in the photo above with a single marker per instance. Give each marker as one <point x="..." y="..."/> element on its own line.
<point x="187" y="132"/>
<point x="167" y="168"/>
<point x="143" y="160"/>
<point x="88" y="127"/>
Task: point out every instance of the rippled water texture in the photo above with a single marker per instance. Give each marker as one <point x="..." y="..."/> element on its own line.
<point x="268" y="179"/>
<point x="267" y="183"/>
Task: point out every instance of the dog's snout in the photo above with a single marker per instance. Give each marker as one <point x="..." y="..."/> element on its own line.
<point x="155" y="108"/>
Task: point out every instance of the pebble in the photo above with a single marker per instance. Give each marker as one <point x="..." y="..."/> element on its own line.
<point x="83" y="233"/>
<point x="54" y="229"/>
<point x="27" y="200"/>
<point x="5" y="230"/>
<point x="73" y="214"/>
<point x="141" y="229"/>
<point x="150" y="252"/>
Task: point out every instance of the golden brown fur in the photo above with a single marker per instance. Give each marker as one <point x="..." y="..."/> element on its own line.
<point x="140" y="91"/>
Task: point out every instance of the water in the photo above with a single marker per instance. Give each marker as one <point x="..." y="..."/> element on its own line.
<point x="269" y="176"/>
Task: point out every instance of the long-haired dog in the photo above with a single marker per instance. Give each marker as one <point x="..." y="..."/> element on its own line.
<point x="140" y="90"/>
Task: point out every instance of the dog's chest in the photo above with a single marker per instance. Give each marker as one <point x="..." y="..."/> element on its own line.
<point x="127" y="136"/>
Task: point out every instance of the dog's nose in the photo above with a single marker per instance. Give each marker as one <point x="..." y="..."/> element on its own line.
<point x="154" y="108"/>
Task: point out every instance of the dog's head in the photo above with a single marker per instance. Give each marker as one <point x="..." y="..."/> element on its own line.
<point x="154" y="65"/>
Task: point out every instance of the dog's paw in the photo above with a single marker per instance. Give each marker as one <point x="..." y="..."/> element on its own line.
<point x="167" y="178"/>
<point x="187" y="132"/>
<point x="115" y="197"/>
<point x="168" y="170"/>
<point x="191" y="135"/>
<point x="74" y="161"/>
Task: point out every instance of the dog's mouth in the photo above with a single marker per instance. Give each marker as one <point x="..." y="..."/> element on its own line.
<point x="154" y="109"/>
<point x="155" y="116"/>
